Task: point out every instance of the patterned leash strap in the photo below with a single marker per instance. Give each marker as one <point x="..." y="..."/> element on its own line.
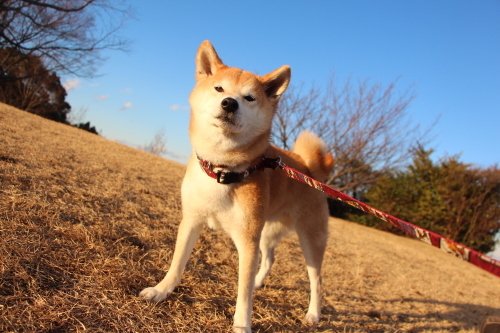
<point x="478" y="259"/>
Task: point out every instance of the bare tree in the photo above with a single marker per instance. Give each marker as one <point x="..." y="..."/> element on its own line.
<point x="77" y="117"/>
<point x="365" y="125"/>
<point x="66" y="35"/>
<point x="158" y="145"/>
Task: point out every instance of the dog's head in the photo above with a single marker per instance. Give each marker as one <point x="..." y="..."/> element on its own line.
<point x="229" y="106"/>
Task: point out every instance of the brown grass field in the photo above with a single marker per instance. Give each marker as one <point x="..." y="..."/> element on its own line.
<point x="86" y="223"/>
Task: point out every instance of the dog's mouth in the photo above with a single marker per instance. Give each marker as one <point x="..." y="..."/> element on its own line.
<point x="228" y="124"/>
<point x="226" y="120"/>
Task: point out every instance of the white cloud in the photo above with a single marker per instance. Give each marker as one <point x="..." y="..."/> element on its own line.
<point x="126" y="91"/>
<point x="177" y="107"/>
<point x="102" y="97"/>
<point x="94" y="84"/>
<point x="71" y="84"/>
<point x="126" y="106"/>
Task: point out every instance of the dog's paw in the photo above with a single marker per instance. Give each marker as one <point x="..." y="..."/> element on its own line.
<point x="153" y="295"/>
<point x="311" y="318"/>
<point x="258" y="284"/>
<point x="259" y="281"/>
<point x="241" y="329"/>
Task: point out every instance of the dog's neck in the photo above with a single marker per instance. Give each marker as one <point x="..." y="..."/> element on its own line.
<point x="237" y="157"/>
<point x="229" y="177"/>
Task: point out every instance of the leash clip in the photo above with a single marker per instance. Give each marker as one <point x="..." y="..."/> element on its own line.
<point x="279" y="163"/>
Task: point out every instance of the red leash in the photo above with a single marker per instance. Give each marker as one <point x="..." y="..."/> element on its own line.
<point x="478" y="259"/>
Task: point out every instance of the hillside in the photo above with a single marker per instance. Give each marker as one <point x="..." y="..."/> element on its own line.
<point x="86" y="223"/>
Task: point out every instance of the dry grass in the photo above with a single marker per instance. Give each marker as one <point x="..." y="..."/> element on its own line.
<point x="86" y="223"/>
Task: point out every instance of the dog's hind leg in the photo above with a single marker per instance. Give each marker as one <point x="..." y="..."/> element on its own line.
<point x="272" y="233"/>
<point x="313" y="239"/>
<point x="189" y="231"/>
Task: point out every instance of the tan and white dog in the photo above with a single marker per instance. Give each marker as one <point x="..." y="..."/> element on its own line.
<point x="231" y="117"/>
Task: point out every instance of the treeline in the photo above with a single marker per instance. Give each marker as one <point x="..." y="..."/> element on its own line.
<point x="378" y="161"/>
<point x="448" y="197"/>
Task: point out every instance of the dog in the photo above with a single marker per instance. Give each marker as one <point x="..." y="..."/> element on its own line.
<point x="231" y="185"/>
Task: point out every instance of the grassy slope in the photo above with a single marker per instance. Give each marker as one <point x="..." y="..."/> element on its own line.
<point x="86" y="223"/>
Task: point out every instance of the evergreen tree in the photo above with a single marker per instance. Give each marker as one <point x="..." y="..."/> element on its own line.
<point x="450" y="198"/>
<point x="26" y="84"/>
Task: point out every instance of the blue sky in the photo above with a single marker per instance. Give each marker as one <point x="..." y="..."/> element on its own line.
<point x="449" y="51"/>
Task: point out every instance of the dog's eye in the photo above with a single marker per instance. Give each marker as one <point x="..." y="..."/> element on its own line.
<point x="250" y="98"/>
<point x="219" y="89"/>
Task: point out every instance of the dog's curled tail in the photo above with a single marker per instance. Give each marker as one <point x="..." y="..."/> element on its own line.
<point x="315" y="154"/>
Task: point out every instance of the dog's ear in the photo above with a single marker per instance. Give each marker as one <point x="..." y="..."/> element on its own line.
<point x="207" y="61"/>
<point x="276" y="82"/>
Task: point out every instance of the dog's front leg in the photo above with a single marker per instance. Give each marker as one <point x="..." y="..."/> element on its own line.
<point x="189" y="231"/>
<point x="248" y="251"/>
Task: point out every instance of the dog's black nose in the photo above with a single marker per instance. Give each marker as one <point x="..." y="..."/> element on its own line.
<point x="229" y="104"/>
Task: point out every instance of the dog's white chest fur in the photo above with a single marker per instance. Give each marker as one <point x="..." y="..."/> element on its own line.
<point x="209" y="200"/>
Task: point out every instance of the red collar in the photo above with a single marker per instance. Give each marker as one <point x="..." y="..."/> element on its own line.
<point x="229" y="177"/>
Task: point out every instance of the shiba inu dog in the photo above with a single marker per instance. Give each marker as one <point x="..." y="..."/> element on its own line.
<point x="230" y="183"/>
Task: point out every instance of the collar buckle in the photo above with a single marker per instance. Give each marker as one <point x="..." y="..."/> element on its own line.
<point x="229" y="177"/>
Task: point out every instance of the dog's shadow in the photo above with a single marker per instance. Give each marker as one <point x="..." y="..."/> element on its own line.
<point x="459" y="316"/>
